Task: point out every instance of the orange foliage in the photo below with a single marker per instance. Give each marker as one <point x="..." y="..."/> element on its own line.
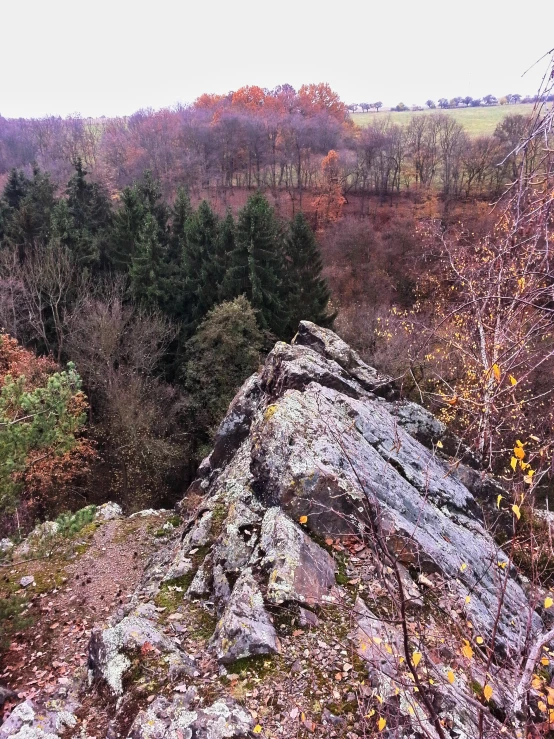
<point x="320" y="98"/>
<point x="330" y="201"/>
<point x="47" y="475"/>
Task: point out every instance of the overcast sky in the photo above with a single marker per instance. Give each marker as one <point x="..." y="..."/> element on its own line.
<point x="113" y="57"/>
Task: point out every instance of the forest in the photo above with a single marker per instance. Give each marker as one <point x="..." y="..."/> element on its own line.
<point x="148" y="264"/>
<point x="271" y="139"/>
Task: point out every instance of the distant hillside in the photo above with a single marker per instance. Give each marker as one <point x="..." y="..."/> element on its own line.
<point x="476" y="121"/>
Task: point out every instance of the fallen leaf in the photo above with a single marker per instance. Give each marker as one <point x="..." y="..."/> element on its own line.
<point x="487" y="692"/>
<point x="257" y="729"/>
<point x="548" y="602"/>
<point x="516" y="511"/>
<point x="416" y="658"/>
<point x="303" y="519"/>
<point x="382" y="723"/>
<point x="450" y="677"/>
<point x="467" y="651"/>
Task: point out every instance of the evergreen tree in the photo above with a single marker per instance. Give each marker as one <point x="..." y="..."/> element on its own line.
<point x="127" y="224"/>
<point x="256" y="264"/>
<point x="180" y="214"/>
<point x="147" y="271"/>
<point x="200" y="273"/>
<point x="15" y="189"/>
<point x="30" y="224"/>
<point x="225" y="246"/>
<point x="223" y="352"/>
<point x="307" y="291"/>
<point x="89" y="210"/>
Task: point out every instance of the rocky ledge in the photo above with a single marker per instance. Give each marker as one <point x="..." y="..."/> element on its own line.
<point x="333" y="576"/>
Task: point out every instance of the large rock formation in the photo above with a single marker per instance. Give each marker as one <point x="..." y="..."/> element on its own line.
<point x="329" y="503"/>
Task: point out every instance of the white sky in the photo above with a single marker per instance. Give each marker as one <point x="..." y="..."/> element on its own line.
<point x="113" y="57"/>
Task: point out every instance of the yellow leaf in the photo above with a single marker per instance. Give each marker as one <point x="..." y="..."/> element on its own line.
<point x="541" y="706"/>
<point x="519" y="443"/>
<point x="302" y="716"/>
<point x="303" y="519"/>
<point x="548" y="602"/>
<point x="468" y="598"/>
<point x="439" y="444"/>
<point x="450" y="677"/>
<point x="463" y="567"/>
<point x="382" y="723"/>
<point x="498" y="501"/>
<point x="545" y="661"/>
<point x="257" y="729"/>
<point x="496" y="372"/>
<point x="550" y="698"/>
<point x="479" y="639"/>
<point x="370" y="714"/>
<point x="536" y="682"/>
<point x="516" y="511"/>
<point x="519" y="452"/>
<point x="551" y="716"/>
<point x="528" y="479"/>
<point x="416" y="658"/>
<point x="513" y="380"/>
<point x="513" y="463"/>
<point x="467" y="651"/>
<point x="487" y="692"/>
<point x="502" y="565"/>
<point x="521" y="283"/>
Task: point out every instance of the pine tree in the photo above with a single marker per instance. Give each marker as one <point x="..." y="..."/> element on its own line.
<point x="307" y="291"/>
<point x="200" y="272"/>
<point x="226" y="243"/>
<point x="256" y="264"/>
<point x="147" y="271"/>
<point x="15" y="189"/>
<point x="127" y="224"/>
<point x="30" y="224"/>
<point x="180" y="214"/>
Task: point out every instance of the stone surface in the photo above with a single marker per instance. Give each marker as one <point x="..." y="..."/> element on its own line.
<point x="166" y="719"/>
<point x="108" y="511"/>
<point x="30" y="720"/>
<point x="26" y="581"/>
<point x="298" y="568"/>
<point x="6" y="546"/>
<point x="111" y="650"/>
<point x="245" y="629"/>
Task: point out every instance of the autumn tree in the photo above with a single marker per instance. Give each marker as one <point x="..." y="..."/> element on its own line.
<point x="42" y="419"/>
<point x="330" y="200"/>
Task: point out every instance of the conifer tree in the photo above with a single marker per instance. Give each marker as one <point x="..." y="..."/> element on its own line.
<point x="307" y="291"/>
<point x="15" y="189"/>
<point x="256" y="264"/>
<point x="147" y="271"/>
<point x="180" y="214"/>
<point x="200" y="273"/>
<point x="127" y="224"/>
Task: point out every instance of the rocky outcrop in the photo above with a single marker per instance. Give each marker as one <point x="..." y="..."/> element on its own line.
<point x="331" y="505"/>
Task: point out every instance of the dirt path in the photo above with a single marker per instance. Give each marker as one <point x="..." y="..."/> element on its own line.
<point x="73" y="590"/>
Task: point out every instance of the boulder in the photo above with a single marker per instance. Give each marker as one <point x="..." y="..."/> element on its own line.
<point x="32" y="720"/>
<point x="108" y="511"/>
<point x="245" y="628"/>
<point x="111" y="650"/>
<point x="165" y="719"/>
<point x="299" y="569"/>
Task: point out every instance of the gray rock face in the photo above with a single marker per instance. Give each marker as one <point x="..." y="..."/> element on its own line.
<point x="298" y="568"/>
<point x="245" y="629"/>
<point x="108" y="511"/>
<point x="165" y="720"/>
<point x="110" y="651"/>
<point x="30" y="720"/>
<point x="315" y="457"/>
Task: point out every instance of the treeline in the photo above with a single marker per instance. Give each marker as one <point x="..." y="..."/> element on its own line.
<point x="269" y="139"/>
<point x="163" y="308"/>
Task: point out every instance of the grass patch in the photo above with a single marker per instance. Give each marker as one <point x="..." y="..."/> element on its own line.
<point x="480" y="121"/>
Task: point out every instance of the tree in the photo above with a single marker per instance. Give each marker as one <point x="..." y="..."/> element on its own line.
<point x="181" y="212"/>
<point x="443" y="103"/>
<point x="490" y="100"/>
<point x="307" y="291"/>
<point x="224" y="351"/>
<point x="42" y="417"/>
<point x="430" y="104"/>
<point x="256" y="264"/>
<point x="201" y="271"/>
<point x="147" y="271"/>
<point x="377" y="105"/>
<point x="467" y="101"/>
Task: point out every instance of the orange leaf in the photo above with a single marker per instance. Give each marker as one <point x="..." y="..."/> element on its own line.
<point x="487" y="692"/>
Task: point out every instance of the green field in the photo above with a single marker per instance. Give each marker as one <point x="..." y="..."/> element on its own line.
<point x="476" y="121"/>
